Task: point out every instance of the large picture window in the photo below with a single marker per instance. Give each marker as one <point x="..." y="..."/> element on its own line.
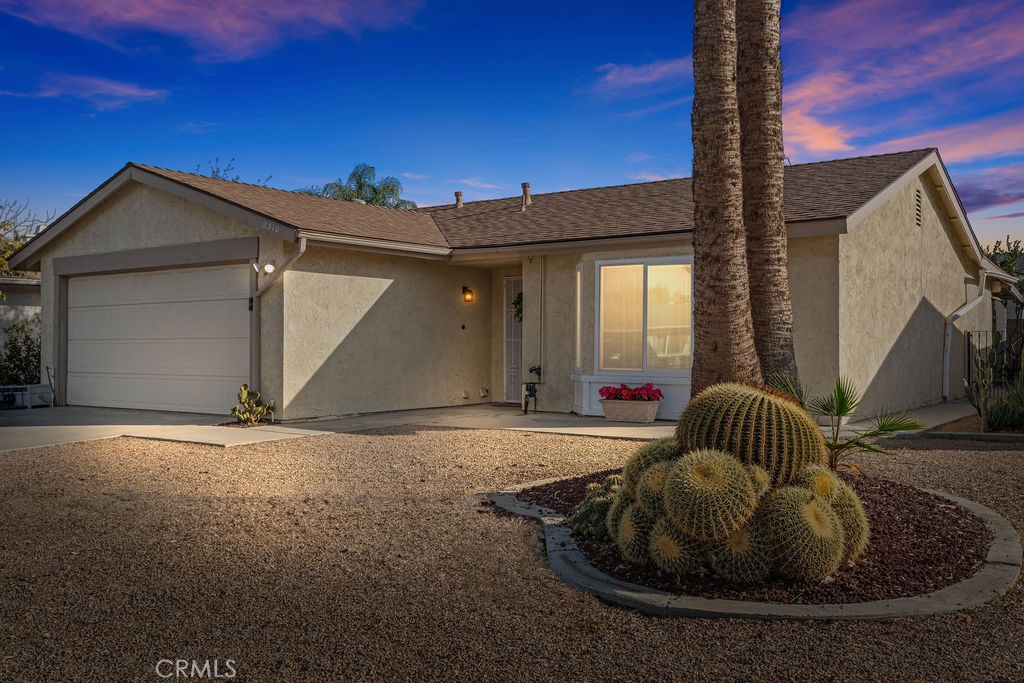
<point x="644" y="318"/>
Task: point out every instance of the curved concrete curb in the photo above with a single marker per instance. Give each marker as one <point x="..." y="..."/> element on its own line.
<point x="997" y="575"/>
<point x="995" y="437"/>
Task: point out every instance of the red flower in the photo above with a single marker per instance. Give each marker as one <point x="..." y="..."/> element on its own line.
<point x="623" y="392"/>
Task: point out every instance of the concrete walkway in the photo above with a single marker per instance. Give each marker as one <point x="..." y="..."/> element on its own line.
<point x="50" y="426"/>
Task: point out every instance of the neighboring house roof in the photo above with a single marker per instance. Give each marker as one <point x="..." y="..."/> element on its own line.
<point x="817" y="191"/>
<point x="316" y="214"/>
<point x="827" y="197"/>
<point x="20" y="281"/>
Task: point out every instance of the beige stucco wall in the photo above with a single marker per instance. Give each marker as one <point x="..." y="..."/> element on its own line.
<point x="369" y="332"/>
<point x="138" y="217"/>
<point x="814" y="291"/>
<point x="899" y="282"/>
<point x="20" y="304"/>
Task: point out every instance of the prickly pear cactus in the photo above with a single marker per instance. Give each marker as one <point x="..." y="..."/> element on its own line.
<point x="708" y="495"/>
<point x="856" y="532"/>
<point x="674" y="553"/>
<point x="634" y="533"/>
<point x="758" y="427"/>
<point x="649" y="454"/>
<point x="589" y="518"/>
<point x="804" y="533"/>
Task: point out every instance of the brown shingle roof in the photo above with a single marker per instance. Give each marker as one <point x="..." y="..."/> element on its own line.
<point x="827" y="189"/>
<point x="317" y="214"/>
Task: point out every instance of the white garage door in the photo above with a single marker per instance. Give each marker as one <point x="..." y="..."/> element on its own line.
<point x="159" y="340"/>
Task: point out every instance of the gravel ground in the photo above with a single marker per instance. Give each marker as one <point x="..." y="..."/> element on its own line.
<point x="369" y="557"/>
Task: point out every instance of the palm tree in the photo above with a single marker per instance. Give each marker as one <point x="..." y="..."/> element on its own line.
<point x="723" y="330"/>
<point x="759" y="88"/>
<point x="362" y="185"/>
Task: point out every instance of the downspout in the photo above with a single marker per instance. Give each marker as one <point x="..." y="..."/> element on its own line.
<point x="280" y="271"/>
<point x="947" y="344"/>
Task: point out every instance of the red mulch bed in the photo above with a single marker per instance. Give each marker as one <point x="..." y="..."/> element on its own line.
<point x="919" y="544"/>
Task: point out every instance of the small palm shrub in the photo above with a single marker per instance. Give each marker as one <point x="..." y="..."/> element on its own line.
<point x="251" y="407"/>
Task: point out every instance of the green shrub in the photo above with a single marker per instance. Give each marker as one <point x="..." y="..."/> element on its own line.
<point x="758" y="427"/>
<point x="20" y="360"/>
<point x="251" y="408"/>
<point x="709" y="495"/>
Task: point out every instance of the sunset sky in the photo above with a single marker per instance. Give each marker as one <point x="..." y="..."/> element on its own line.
<point x="480" y="96"/>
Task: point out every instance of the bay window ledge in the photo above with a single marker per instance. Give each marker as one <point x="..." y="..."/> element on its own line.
<point x="675" y="387"/>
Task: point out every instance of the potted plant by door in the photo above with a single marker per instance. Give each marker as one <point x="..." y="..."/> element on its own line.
<point x="630" y="404"/>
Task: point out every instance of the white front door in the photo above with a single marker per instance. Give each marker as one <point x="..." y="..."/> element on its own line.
<point x="159" y="340"/>
<point x="513" y="339"/>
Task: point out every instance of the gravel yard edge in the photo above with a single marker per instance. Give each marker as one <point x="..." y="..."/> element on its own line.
<point x="997" y="575"/>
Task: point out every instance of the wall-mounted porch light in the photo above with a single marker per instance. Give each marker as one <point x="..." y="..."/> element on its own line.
<point x="467" y="295"/>
<point x="267" y="267"/>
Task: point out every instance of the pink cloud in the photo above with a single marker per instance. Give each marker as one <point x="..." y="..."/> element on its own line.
<point x="1018" y="214"/>
<point x="224" y="30"/>
<point x="997" y="136"/>
<point x="619" y="77"/>
<point x="650" y="176"/>
<point x="477" y="183"/>
<point x="869" y="52"/>
<point x="103" y="93"/>
<point x="998" y="186"/>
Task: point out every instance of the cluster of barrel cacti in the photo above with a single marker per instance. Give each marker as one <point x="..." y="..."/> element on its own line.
<point x="741" y="491"/>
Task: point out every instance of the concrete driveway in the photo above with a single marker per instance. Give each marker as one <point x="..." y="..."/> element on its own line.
<point x="22" y="428"/>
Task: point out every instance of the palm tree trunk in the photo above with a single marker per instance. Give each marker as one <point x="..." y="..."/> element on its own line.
<point x="759" y="88"/>
<point x="723" y="330"/>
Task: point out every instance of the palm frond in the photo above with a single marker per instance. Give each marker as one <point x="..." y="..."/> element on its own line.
<point x="889" y="421"/>
<point x="788" y="385"/>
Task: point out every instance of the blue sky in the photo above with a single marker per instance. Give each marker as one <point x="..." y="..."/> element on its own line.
<point x="482" y="96"/>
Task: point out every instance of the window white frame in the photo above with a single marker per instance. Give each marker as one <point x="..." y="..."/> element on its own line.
<point x="681" y="260"/>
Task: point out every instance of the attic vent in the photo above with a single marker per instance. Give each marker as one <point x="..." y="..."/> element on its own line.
<point x="918" y="211"/>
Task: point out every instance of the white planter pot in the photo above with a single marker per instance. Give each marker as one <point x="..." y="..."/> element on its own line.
<point x="629" y="411"/>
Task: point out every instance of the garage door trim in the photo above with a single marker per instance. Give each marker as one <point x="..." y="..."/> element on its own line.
<point x="219" y="252"/>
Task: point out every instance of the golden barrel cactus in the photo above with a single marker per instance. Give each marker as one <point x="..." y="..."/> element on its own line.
<point x="649" y="454"/>
<point x="634" y="533"/>
<point x="674" y="553"/>
<point x="708" y="495"/>
<point x="650" y="485"/>
<point x="759" y="427"/>
<point x="856" y="532"/>
<point x="804" y="533"/>
<point x="744" y="557"/>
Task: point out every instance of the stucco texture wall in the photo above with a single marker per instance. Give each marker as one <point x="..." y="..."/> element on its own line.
<point x="369" y="332"/>
<point x="814" y="292"/>
<point x="20" y="304"/>
<point x="899" y="282"/>
<point x="139" y="217"/>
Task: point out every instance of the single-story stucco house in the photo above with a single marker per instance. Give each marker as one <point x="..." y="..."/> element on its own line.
<point x="156" y="292"/>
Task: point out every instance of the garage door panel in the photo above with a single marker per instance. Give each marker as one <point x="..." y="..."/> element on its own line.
<point x="161" y="340"/>
<point x="214" y="357"/>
